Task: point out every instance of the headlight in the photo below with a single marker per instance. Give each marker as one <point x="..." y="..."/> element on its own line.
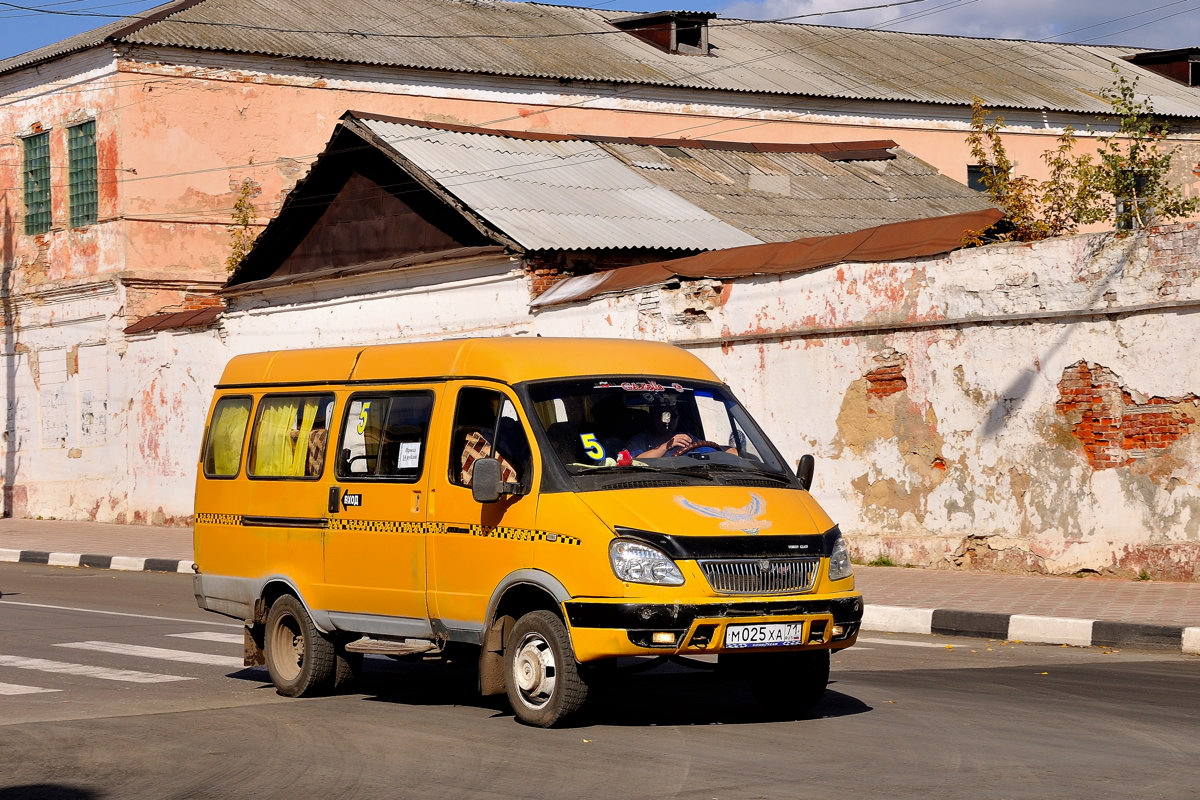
<point x="839" y="561"/>
<point x="640" y="563"/>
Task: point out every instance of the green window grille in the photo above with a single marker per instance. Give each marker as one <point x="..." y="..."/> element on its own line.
<point x="81" y="155"/>
<point x="37" y="184"/>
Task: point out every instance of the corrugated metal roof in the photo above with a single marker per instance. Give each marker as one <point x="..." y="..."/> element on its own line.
<point x="551" y="195"/>
<point x="579" y="193"/>
<point x="177" y="320"/>
<point x="893" y="242"/>
<point x="780" y="196"/>
<point x="560" y="42"/>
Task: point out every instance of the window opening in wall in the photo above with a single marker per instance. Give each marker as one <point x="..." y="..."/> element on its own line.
<point x="81" y="155"/>
<point x="1134" y="211"/>
<point x="37" y="183"/>
<point x="975" y="176"/>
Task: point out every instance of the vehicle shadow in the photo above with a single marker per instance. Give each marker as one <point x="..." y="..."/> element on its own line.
<point x="667" y="695"/>
<point x="47" y="791"/>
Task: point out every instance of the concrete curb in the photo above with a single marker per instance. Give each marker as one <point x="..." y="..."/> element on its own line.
<point x="884" y="619"/>
<point x="1030" y="628"/>
<point x="96" y="561"/>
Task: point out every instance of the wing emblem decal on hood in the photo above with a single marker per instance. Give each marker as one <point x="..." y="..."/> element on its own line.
<point x="743" y="519"/>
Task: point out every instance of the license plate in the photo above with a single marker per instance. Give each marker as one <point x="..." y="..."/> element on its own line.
<point x="767" y="635"/>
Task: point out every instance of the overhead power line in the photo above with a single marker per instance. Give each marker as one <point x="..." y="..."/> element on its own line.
<point x="368" y="34"/>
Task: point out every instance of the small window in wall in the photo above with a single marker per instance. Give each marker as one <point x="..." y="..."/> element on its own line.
<point x="975" y="173"/>
<point x="81" y="155"/>
<point x="482" y="418"/>
<point x="1134" y="209"/>
<point x="383" y="437"/>
<point x="226" y="433"/>
<point x="37" y="183"/>
<point x="290" y="436"/>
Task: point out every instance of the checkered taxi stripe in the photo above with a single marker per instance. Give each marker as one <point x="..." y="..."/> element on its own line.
<point x="432" y="528"/>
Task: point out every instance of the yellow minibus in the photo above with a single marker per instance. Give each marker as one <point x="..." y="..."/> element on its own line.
<point x="551" y="505"/>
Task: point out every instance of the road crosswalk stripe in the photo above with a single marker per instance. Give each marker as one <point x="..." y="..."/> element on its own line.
<point x="87" y="671"/>
<point x="212" y="636"/>
<point x="14" y="688"/>
<point x="140" y="651"/>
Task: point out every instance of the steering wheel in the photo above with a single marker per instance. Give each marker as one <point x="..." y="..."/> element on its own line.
<point x="697" y="445"/>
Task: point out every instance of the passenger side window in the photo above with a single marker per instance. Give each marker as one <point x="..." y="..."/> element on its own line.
<point x="226" y="435"/>
<point x="383" y="436"/>
<point x="290" y="436"/>
<point x="486" y="424"/>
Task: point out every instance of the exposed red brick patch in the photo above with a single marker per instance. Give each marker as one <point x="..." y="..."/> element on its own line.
<point x="1114" y="429"/>
<point x="887" y="380"/>
<point x="195" y="302"/>
<point x="542" y="278"/>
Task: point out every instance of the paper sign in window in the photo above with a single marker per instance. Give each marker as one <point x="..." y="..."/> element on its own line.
<point x="410" y="455"/>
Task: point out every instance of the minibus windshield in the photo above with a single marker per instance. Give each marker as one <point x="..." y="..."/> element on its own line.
<point x="631" y="424"/>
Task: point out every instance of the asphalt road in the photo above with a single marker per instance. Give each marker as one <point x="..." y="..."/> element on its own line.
<point x="152" y="703"/>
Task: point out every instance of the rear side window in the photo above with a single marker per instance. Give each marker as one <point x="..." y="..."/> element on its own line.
<point x="383" y="436"/>
<point x="290" y="436"/>
<point x="226" y="434"/>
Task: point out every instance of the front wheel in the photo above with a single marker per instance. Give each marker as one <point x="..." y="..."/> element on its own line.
<point x="300" y="660"/>
<point x="542" y="678"/>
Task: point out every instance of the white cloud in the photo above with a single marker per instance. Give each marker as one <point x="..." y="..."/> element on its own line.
<point x="1164" y="24"/>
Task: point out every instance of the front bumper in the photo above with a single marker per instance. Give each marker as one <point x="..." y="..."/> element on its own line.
<point x="611" y="629"/>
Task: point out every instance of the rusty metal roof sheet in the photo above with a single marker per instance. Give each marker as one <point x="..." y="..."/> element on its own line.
<point x="176" y="320"/>
<point x="576" y="193"/>
<point x="566" y="43"/>
<point x="894" y="242"/>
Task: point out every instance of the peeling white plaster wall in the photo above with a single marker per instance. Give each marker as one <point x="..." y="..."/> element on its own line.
<point x="971" y="463"/>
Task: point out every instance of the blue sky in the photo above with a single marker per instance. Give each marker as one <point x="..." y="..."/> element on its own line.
<point x="29" y="24"/>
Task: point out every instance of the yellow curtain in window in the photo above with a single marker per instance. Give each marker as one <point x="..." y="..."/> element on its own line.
<point x="228" y="433"/>
<point x="281" y="445"/>
<point x="298" y="458"/>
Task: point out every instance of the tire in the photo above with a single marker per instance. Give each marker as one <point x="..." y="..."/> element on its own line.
<point x="300" y="660"/>
<point x="542" y="678"/>
<point x="347" y="668"/>
<point x="790" y="683"/>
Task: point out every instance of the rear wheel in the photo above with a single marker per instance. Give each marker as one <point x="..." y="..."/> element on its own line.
<point x="347" y="668"/>
<point x="300" y="660"/>
<point x="542" y="678"/>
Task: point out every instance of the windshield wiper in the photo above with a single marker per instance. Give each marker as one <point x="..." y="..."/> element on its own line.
<point x="614" y="467"/>
<point x="720" y="467"/>
<point x="690" y="471"/>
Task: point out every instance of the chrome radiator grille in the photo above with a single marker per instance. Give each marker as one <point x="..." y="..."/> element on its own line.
<point x="761" y="575"/>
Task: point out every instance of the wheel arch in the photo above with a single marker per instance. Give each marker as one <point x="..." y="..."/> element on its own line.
<point x="519" y="593"/>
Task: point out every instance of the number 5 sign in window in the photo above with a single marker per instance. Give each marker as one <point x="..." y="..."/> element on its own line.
<point x="592" y="447"/>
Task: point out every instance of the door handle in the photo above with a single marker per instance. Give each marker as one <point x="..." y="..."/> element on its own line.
<point x="333" y="499"/>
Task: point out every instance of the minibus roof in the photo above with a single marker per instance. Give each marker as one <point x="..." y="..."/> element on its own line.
<point x="506" y="359"/>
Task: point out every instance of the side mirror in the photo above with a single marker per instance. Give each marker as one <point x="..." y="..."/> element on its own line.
<point x="804" y="470"/>
<point x="485" y="480"/>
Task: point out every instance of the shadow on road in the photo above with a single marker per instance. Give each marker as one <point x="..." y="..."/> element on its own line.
<point x="47" y="791"/>
<point x="665" y="696"/>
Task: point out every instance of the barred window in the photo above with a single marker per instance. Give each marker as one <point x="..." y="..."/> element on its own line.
<point x="37" y="183"/>
<point x="81" y="155"/>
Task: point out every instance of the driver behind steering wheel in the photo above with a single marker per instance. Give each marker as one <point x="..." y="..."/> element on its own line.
<point x="662" y="438"/>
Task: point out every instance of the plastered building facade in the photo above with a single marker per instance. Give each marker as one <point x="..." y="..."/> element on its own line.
<point x="1013" y="407"/>
<point x="102" y="425"/>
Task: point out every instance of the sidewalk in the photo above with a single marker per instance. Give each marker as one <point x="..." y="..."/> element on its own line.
<point x="1075" y="611"/>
